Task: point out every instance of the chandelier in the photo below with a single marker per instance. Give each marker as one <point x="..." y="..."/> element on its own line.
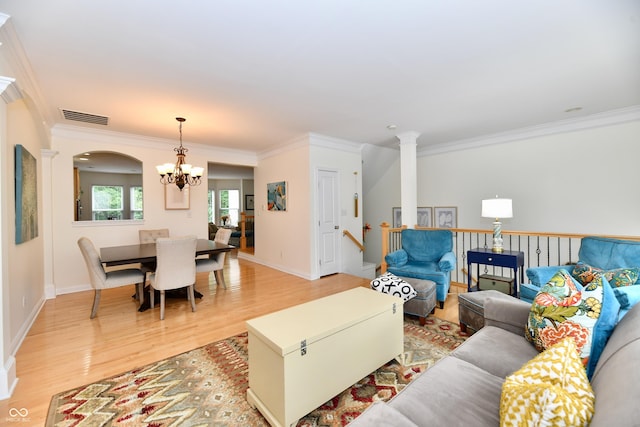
<point x="181" y="173"/>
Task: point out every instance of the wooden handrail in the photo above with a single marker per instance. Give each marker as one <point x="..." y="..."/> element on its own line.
<point x="243" y="229"/>
<point x="353" y="239"/>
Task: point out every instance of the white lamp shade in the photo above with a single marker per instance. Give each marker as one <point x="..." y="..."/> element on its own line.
<point x="497" y="208"/>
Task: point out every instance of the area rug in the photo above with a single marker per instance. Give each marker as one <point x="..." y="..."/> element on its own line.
<point x="207" y="387"/>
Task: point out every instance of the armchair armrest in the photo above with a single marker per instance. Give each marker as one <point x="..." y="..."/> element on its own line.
<point x="508" y="314"/>
<point x="397" y="258"/>
<point x="447" y="262"/>
<point x="539" y="276"/>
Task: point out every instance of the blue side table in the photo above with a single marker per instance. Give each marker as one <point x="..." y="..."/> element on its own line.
<point x="508" y="259"/>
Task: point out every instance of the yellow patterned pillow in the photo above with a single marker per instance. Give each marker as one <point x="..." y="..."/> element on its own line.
<point x="551" y="389"/>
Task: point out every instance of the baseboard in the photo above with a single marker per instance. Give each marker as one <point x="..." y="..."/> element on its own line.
<point x="8" y="379"/>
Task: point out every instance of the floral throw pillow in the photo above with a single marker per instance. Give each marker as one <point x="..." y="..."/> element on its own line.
<point x="563" y="307"/>
<point x="389" y="283"/>
<point x="617" y="278"/>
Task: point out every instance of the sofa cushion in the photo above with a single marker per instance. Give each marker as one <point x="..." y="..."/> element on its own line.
<point x="550" y="389"/>
<point x="609" y="254"/>
<point x="627" y="296"/>
<point x="379" y="414"/>
<point x="389" y="283"/>
<point x="426" y="245"/>
<point x="563" y="308"/>
<point x="451" y="393"/>
<point x="481" y="351"/>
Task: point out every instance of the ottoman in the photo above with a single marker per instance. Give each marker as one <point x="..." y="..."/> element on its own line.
<point x="471" y="308"/>
<point x="423" y="303"/>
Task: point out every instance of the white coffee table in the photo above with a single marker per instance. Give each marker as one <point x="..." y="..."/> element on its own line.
<point x="301" y="357"/>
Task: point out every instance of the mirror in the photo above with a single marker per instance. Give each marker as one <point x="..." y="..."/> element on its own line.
<point x="107" y="186"/>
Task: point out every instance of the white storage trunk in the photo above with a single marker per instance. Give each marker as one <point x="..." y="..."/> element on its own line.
<point x="301" y="357"/>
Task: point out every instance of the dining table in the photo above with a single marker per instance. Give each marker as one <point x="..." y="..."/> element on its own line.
<point x="146" y="253"/>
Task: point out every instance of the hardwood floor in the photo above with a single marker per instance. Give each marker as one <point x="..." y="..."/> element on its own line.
<point x="65" y="349"/>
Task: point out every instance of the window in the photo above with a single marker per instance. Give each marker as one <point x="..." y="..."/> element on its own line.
<point x="135" y="201"/>
<point x="230" y="206"/>
<point x="106" y="201"/>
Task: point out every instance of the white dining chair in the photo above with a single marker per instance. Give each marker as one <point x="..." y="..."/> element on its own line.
<point x="101" y="279"/>
<point x="215" y="263"/>
<point x="176" y="268"/>
<point x="150" y="236"/>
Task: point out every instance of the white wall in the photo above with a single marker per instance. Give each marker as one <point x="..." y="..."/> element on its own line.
<point x="288" y="240"/>
<point x="69" y="142"/>
<point x="582" y="182"/>
<point x="283" y="238"/>
<point x="345" y="158"/>
<point x="22" y="264"/>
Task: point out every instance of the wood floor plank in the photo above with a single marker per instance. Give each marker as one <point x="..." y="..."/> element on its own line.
<point x="65" y="349"/>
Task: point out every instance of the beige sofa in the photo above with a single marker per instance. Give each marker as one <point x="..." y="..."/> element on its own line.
<point x="464" y="388"/>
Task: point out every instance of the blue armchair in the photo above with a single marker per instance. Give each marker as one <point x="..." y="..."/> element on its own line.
<point x="603" y="253"/>
<point x="427" y="255"/>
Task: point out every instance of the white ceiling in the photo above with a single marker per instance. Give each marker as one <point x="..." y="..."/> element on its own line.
<point x="254" y="74"/>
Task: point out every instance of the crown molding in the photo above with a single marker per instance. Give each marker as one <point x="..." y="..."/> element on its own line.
<point x="9" y="90"/>
<point x="21" y="67"/>
<point x="606" y="118"/>
<point x="312" y="139"/>
<point x="224" y="155"/>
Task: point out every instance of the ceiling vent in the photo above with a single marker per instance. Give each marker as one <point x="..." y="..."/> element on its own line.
<point x="85" y="117"/>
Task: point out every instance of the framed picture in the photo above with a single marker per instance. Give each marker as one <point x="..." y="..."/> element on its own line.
<point x="277" y="196"/>
<point x="396" y="217"/>
<point x="446" y="217"/>
<point x="248" y="202"/>
<point x="174" y="198"/>
<point x="26" y="195"/>
<point x="425" y="217"/>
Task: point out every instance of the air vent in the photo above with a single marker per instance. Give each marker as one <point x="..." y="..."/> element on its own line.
<point x="85" y="117"/>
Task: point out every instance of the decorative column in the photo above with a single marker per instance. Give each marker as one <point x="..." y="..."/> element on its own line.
<point x="48" y="191"/>
<point x="408" y="178"/>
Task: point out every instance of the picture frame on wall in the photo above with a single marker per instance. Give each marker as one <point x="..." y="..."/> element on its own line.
<point x="248" y="202"/>
<point x="396" y="217"/>
<point x="174" y="199"/>
<point x="277" y="196"/>
<point x="446" y="216"/>
<point x="26" y="195"/>
<point x="425" y="217"/>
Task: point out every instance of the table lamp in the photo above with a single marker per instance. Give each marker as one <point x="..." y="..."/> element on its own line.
<point x="497" y="208"/>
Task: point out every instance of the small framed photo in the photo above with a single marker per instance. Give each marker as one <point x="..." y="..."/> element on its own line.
<point x="425" y="217"/>
<point x="248" y="202"/>
<point x="174" y="198"/>
<point x="446" y="217"/>
<point x="396" y="215"/>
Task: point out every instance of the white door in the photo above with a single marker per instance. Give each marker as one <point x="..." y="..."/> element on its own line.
<point x="329" y="222"/>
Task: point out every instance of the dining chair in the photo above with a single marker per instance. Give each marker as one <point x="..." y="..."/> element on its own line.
<point x="215" y="263"/>
<point x="150" y="236"/>
<point x="101" y="279"/>
<point x="176" y="268"/>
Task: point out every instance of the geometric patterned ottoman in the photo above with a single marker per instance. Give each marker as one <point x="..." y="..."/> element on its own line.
<point x="471" y="308"/>
<point x="423" y="303"/>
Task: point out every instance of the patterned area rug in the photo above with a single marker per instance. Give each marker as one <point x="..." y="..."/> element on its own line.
<point x="207" y="387"/>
